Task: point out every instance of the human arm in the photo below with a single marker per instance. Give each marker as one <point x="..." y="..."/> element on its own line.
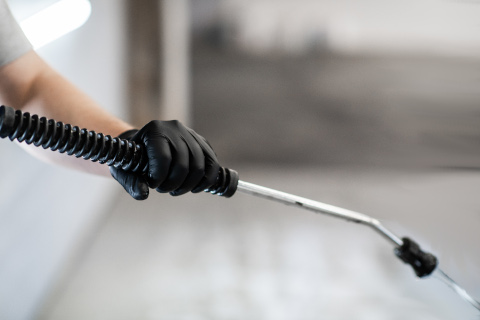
<point x="30" y="84"/>
<point x="179" y="160"/>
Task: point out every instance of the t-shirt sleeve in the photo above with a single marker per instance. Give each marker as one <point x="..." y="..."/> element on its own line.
<point x="13" y="42"/>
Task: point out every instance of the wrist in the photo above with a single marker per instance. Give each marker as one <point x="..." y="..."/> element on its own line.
<point x="127" y="135"/>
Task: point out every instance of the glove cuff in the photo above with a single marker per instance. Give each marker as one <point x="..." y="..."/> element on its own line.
<point x="127" y="135"/>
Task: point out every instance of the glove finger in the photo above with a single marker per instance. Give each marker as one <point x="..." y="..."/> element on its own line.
<point x="196" y="169"/>
<point x="134" y="184"/>
<point x="159" y="160"/>
<point x="204" y="144"/>
<point x="179" y="168"/>
<point x="211" y="173"/>
<point x="211" y="163"/>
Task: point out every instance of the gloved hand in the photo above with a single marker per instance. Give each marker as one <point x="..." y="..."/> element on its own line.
<point x="179" y="161"/>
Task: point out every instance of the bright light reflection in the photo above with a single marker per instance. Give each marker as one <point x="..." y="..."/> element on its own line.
<point x="55" y="21"/>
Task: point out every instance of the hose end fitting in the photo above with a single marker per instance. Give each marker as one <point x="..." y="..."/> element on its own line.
<point x="227" y="182"/>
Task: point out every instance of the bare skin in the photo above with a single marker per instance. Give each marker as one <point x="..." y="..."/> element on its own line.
<point x="31" y="85"/>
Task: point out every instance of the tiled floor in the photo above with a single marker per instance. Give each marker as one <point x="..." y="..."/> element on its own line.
<point x="205" y="257"/>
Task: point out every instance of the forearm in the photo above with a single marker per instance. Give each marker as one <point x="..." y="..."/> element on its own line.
<point x="31" y="85"/>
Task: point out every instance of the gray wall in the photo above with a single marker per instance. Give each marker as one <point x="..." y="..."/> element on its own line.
<point x="368" y="26"/>
<point x="47" y="212"/>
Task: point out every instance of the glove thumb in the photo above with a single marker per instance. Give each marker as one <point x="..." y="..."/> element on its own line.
<point x="134" y="184"/>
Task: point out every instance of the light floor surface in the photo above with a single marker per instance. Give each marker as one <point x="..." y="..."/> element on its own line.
<point x="201" y="257"/>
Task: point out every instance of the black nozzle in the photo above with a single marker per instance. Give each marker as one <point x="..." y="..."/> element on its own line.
<point x="423" y="263"/>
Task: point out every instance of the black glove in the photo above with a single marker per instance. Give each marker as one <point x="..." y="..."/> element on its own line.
<point x="179" y="161"/>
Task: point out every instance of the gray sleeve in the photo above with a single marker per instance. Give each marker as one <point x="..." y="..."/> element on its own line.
<point x="13" y="42"/>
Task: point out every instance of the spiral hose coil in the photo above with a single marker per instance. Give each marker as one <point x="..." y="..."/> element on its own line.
<point x="65" y="138"/>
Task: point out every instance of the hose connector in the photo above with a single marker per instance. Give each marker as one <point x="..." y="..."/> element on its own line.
<point x="227" y="182"/>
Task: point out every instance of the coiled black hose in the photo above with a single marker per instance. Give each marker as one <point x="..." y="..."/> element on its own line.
<point x="65" y="138"/>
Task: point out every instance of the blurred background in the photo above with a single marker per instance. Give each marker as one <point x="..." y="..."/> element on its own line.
<point x="368" y="105"/>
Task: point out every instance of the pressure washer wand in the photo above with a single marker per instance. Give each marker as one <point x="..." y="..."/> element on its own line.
<point x="318" y="207"/>
<point x="423" y="263"/>
<point x="130" y="156"/>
